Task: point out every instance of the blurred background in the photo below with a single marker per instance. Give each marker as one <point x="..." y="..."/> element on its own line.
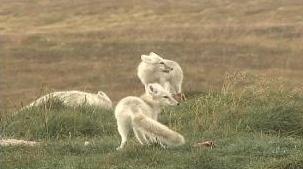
<point x="96" y="45"/>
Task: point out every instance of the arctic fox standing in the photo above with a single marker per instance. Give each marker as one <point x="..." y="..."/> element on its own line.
<point x="141" y="114"/>
<point x="75" y="98"/>
<point x="155" y="69"/>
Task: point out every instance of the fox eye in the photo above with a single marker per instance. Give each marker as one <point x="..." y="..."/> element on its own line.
<point x="166" y="97"/>
<point x="162" y="63"/>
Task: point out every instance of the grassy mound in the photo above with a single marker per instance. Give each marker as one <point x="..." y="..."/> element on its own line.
<point x="60" y="122"/>
<point x="245" y="104"/>
<point x="255" y="123"/>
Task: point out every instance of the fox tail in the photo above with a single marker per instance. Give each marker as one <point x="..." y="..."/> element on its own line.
<point x="161" y="132"/>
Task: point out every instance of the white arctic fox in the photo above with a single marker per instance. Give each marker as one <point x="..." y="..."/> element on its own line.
<point x="75" y="98"/>
<point x="155" y="69"/>
<point x="141" y="113"/>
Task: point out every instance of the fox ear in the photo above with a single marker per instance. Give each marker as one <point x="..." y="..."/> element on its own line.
<point x="101" y="93"/>
<point x="152" y="54"/>
<point x="146" y="59"/>
<point x="152" y="89"/>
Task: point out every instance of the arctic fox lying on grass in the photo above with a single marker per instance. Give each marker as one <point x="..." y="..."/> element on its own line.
<point x="155" y="69"/>
<point x="141" y="114"/>
<point x="75" y="98"/>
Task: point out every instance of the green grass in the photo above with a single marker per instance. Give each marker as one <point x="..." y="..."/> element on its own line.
<point x="96" y="45"/>
<point x="255" y="124"/>
<point x="81" y="45"/>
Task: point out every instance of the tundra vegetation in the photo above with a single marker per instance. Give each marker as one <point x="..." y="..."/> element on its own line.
<point x="254" y="118"/>
<point x="254" y="122"/>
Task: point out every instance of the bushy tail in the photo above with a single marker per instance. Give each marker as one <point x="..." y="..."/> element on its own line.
<point x="160" y="131"/>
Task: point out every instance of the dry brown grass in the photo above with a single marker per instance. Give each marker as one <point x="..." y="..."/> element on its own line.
<point x="96" y="45"/>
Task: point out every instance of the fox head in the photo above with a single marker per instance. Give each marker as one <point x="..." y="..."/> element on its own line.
<point x="157" y="61"/>
<point x="103" y="95"/>
<point x="179" y="97"/>
<point x="160" y="95"/>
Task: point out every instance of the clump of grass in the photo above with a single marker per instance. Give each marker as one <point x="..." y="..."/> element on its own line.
<point x="245" y="103"/>
<point x="291" y="162"/>
<point x="57" y="122"/>
<point x="284" y="119"/>
<point x="53" y="120"/>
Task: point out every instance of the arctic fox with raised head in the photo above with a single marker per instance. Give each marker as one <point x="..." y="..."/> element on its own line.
<point x="75" y="98"/>
<point x="154" y="69"/>
<point x="141" y="114"/>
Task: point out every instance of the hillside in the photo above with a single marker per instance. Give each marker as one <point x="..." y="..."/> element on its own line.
<point x="256" y="126"/>
<point x="242" y="63"/>
<point x="96" y="45"/>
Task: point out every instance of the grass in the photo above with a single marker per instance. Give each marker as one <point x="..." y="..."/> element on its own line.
<point x="255" y="123"/>
<point x="96" y="45"/>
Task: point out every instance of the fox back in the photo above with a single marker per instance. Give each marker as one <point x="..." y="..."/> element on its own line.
<point x="155" y="69"/>
<point x="75" y="98"/>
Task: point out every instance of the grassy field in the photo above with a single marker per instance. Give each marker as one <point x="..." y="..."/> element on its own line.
<point x="255" y="118"/>
<point x="257" y="125"/>
<point x="96" y="45"/>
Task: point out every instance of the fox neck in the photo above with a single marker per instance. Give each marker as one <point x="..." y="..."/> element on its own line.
<point x="148" y="99"/>
<point x="151" y="68"/>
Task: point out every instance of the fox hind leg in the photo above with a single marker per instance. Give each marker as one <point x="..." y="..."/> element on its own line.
<point x="140" y="136"/>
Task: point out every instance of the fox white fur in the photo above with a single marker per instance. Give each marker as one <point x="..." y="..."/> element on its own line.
<point x="75" y="98"/>
<point x="141" y="114"/>
<point x="154" y="69"/>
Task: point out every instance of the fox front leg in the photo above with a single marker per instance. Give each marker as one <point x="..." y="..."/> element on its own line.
<point x="166" y="85"/>
<point x="123" y="130"/>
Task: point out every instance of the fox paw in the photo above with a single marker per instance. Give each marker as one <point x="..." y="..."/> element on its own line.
<point x="119" y="148"/>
